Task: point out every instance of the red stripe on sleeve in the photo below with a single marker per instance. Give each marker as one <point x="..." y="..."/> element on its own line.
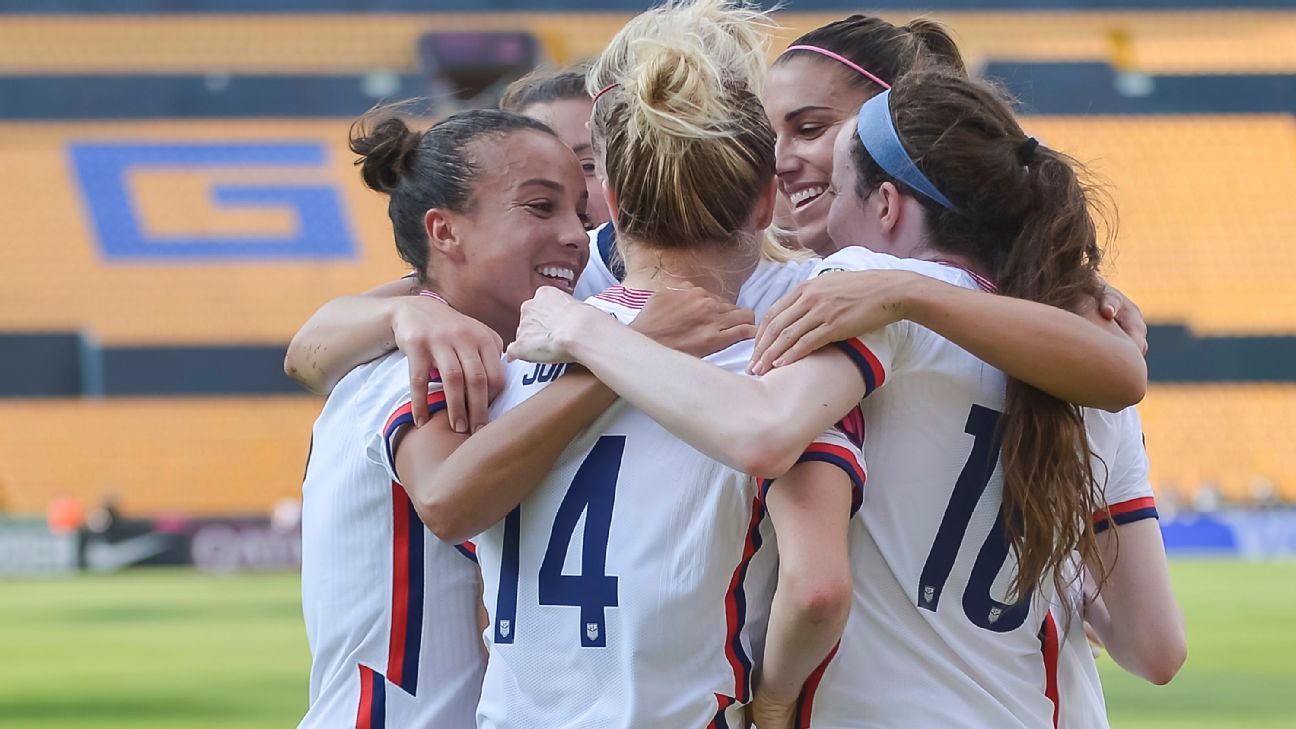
<point x="1126" y="507"/>
<point x="843" y="453"/>
<point x="879" y="374"/>
<point x="434" y="399"/>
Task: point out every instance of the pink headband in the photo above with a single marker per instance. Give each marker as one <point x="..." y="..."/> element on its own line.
<point x="840" y="59"/>
<point x="604" y="90"/>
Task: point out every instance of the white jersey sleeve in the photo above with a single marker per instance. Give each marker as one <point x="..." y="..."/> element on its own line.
<point x="391" y="413"/>
<point x="875" y="353"/>
<point x="836" y="448"/>
<point x="1120" y="465"/>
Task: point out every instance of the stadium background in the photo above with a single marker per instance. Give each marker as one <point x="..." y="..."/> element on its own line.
<point x="177" y="198"/>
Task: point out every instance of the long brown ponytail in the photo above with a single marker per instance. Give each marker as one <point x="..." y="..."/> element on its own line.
<point x="1026" y="213"/>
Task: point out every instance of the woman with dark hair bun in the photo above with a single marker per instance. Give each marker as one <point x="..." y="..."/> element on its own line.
<point x="486" y="207"/>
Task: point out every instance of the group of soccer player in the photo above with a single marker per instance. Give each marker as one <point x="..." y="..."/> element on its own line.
<point x="875" y="464"/>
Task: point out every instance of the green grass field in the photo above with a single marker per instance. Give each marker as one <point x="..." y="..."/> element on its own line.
<point x="179" y="649"/>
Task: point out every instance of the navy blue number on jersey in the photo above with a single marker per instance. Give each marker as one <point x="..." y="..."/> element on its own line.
<point x="506" y="600"/>
<point x="982" y="609"/>
<point x="592" y="493"/>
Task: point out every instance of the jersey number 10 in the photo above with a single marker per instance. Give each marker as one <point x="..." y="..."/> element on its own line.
<point x="592" y="492"/>
<point x="982" y="609"/>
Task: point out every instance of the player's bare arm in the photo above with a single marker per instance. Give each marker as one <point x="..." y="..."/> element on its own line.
<point x="1094" y="365"/>
<point x="756" y="425"/>
<point x="343" y="334"/>
<point x="497" y="468"/>
<point x="811" y="508"/>
<point x="1144" y="630"/>
<point x="351" y="330"/>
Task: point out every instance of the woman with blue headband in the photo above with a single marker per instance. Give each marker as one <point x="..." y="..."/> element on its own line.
<point x="980" y="488"/>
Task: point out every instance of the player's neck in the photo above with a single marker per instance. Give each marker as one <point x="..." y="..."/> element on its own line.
<point x="720" y="268"/>
<point x="966" y="263"/>
<point x="501" y="319"/>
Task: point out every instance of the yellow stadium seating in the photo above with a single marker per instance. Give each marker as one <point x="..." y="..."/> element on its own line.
<point x="1203" y="201"/>
<point x="1206" y="219"/>
<point x="189" y="455"/>
<point x="1229" y="435"/>
<point x="241" y="455"/>
<point x="1156" y="42"/>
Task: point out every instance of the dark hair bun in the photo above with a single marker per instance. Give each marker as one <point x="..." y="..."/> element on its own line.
<point x="387" y="152"/>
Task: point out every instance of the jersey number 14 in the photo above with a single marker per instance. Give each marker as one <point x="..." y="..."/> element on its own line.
<point x="593" y="493"/>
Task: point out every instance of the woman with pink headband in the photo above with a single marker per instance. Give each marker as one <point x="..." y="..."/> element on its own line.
<point x="818" y="83"/>
<point x="814" y="87"/>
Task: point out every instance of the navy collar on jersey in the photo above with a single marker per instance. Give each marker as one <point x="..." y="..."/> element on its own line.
<point x="607" y="251"/>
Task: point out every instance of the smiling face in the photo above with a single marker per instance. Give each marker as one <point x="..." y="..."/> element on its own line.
<point x="522" y="230"/>
<point x="569" y="118"/>
<point x="850" y="220"/>
<point x="807" y="100"/>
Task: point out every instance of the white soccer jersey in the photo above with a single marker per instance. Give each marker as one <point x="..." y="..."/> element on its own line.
<point x="631" y="589"/>
<point x="391" y="611"/>
<point x="928" y="642"/>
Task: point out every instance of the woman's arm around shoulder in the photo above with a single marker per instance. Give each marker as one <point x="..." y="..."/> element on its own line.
<point x="756" y="425"/>
<point x="1091" y="363"/>
<point x="352" y="330"/>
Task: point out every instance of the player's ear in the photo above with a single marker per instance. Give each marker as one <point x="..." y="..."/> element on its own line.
<point x="891" y="207"/>
<point x="443" y="234"/>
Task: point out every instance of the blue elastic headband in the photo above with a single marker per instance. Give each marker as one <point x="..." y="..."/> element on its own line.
<point x="878" y="133"/>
